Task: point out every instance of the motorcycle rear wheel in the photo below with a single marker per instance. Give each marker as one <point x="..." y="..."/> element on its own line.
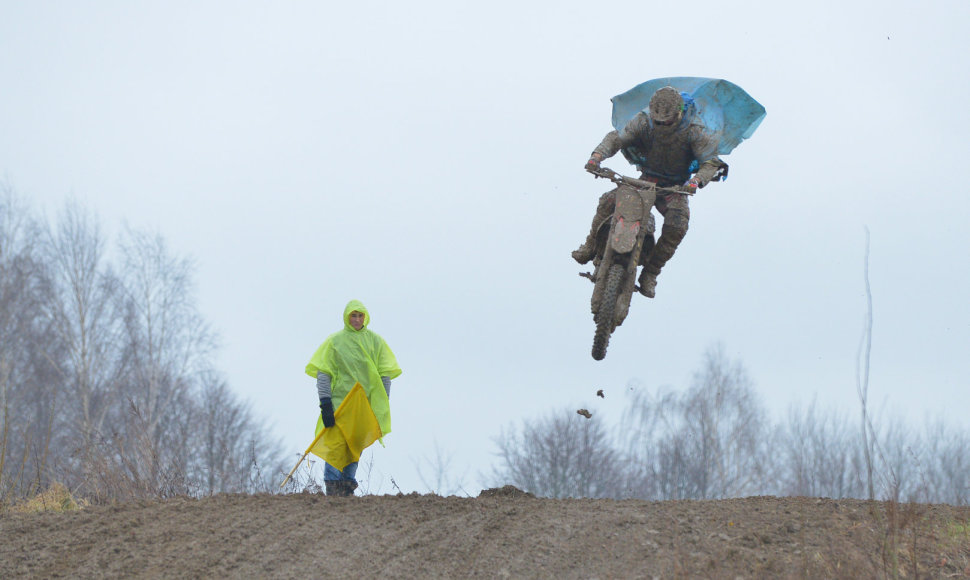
<point x="607" y="311"/>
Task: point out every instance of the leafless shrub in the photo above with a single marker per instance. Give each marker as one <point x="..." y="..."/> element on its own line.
<point x="817" y="455"/>
<point x="230" y="451"/>
<point x="127" y="465"/>
<point x="946" y="463"/>
<point x="439" y="477"/>
<point x="303" y="480"/>
<point x="561" y="455"/>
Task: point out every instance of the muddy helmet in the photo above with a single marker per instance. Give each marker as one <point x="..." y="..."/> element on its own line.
<point x="666" y="106"/>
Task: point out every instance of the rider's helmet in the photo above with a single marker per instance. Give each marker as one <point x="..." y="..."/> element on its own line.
<point x="666" y="106"/>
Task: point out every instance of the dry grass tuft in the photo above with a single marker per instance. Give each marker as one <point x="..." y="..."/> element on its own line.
<point x="56" y="498"/>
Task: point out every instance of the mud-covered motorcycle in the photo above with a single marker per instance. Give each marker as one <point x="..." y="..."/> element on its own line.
<point x="620" y="244"/>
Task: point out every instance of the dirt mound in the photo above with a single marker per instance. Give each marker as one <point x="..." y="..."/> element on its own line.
<point x="502" y="533"/>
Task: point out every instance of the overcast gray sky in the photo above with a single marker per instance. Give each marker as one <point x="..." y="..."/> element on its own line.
<point x="427" y="158"/>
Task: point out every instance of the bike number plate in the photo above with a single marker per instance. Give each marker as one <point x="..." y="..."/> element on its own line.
<point x="628" y="218"/>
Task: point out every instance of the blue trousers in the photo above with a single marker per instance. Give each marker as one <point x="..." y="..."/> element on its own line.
<point x="331" y="473"/>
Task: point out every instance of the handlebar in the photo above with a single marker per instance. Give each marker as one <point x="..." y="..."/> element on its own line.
<point x="607" y="173"/>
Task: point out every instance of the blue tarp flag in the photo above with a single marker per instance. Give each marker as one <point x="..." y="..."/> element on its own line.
<point x="725" y="109"/>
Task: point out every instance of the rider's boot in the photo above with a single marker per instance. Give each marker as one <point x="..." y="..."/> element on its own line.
<point x="648" y="283"/>
<point x="604" y="210"/>
<point x="663" y="250"/>
<point x="586" y="251"/>
<point x="332" y="487"/>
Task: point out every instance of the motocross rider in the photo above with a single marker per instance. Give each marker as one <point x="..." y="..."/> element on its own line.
<point x="671" y="147"/>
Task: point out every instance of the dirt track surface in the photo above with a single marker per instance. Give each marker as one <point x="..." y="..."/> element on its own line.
<point x="503" y="533"/>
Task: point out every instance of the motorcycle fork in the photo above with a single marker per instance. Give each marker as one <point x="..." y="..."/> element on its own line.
<point x="632" y="224"/>
<point x="624" y="237"/>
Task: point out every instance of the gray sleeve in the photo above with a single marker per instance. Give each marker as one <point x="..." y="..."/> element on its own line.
<point x="323" y="385"/>
<point x="387" y="385"/>
<point x="616" y="140"/>
<point x="609" y="145"/>
<point x="711" y="170"/>
<point x="703" y="145"/>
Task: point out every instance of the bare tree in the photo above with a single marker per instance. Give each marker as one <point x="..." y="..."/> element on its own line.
<point x="561" y="455"/>
<point x="106" y="382"/>
<point x="655" y="451"/>
<point x="26" y="378"/>
<point x="167" y="342"/>
<point x="167" y="347"/>
<point x="710" y="442"/>
<point x="84" y="315"/>
<point x="732" y="426"/>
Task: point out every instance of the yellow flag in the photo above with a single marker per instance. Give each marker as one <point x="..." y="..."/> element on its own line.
<point x="355" y="429"/>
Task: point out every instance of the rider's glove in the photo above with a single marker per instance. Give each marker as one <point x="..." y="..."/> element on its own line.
<point x="326" y="412"/>
<point x="692" y="184"/>
<point x="594" y="161"/>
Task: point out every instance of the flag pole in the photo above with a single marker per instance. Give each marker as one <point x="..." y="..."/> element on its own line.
<point x="305" y="453"/>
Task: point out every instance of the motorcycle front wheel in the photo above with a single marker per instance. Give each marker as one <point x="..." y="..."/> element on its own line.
<point x="607" y="312"/>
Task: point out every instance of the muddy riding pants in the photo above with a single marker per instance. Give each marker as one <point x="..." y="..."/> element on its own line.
<point x="676" y="213"/>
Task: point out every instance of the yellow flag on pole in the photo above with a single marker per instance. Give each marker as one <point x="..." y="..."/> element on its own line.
<point x="355" y="429"/>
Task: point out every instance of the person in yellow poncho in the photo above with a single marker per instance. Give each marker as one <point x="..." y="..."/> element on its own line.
<point x="347" y="357"/>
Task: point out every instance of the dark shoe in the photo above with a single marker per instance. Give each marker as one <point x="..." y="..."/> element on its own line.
<point x="347" y="487"/>
<point x="333" y="487"/>
<point x="648" y="284"/>
<point x="584" y="253"/>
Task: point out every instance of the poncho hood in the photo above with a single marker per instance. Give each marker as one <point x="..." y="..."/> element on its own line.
<point x="359" y="307"/>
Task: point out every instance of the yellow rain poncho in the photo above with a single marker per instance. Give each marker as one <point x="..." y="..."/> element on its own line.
<point x="350" y="357"/>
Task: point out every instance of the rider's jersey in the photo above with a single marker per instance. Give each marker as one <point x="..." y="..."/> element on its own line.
<point x="667" y="154"/>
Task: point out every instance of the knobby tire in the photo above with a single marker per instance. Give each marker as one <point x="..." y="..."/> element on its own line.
<point x="607" y="311"/>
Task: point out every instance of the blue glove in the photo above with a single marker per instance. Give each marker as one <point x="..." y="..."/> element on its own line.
<point x="326" y="412"/>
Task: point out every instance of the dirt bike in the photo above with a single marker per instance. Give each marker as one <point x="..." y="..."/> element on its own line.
<point x="620" y="243"/>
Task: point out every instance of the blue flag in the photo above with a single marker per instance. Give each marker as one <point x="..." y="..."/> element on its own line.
<point x="725" y="109"/>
